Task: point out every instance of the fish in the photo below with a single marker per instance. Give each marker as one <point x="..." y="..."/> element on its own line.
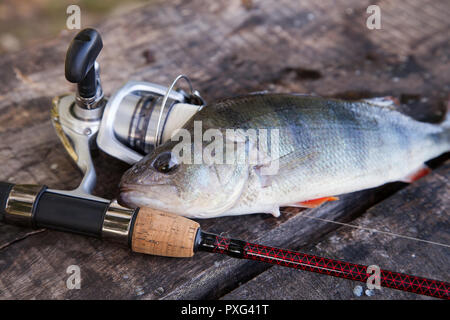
<point x="322" y="148"/>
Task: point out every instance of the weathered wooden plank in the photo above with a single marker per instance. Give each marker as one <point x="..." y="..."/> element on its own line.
<point x="419" y="211"/>
<point x="226" y="49"/>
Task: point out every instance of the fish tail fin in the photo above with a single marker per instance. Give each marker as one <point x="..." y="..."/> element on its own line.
<point x="446" y="122"/>
<point x="445" y="125"/>
<point x="441" y="136"/>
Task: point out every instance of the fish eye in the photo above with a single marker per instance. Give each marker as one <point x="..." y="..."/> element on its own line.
<point x="165" y="163"/>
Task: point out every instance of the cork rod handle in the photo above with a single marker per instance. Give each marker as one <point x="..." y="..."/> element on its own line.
<point x="163" y="234"/>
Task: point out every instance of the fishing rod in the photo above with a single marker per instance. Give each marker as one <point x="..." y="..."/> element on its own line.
<point x="160" y="233"/>
<point x="129" y="124"/>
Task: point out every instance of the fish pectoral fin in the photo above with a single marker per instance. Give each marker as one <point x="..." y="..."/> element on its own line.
<point x="314" y="203"/>
<point x="417" y="174"/>
<point x="276" y="211"/>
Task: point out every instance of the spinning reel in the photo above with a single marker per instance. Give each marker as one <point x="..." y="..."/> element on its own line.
<point x="131" y="123"/>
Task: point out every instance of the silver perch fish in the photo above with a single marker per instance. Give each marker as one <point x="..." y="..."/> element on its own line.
<point x="325" y="148"/>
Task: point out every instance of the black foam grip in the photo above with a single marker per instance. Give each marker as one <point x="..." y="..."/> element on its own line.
<point x="68" y="213"/>
<point x="5" y="189"/>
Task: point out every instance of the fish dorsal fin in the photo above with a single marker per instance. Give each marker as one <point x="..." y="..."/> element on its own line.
<point x="384" y="102"/>
<point x="259" y="92"/>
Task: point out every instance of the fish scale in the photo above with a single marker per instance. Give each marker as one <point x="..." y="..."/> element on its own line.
<point x="327" y="147"/>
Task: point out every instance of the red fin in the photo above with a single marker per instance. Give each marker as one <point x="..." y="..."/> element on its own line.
<point x="315" y="202"/>
<point x="421" y="172"/>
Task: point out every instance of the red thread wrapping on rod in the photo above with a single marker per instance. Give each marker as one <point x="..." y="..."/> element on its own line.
<point x="342" y="269"/>
<point x="336" y="268"/>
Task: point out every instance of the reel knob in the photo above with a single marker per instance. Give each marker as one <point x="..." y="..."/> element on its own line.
<point x="80" y="62"/>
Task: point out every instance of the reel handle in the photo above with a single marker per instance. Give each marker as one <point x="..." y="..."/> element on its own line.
<point x="80" y="61"/>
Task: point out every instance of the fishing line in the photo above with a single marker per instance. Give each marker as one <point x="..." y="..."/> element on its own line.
<point x="308" y="262"/>
<point x="375" y="230"/>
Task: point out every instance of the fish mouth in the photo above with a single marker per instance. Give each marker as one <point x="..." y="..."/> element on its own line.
<point x="142" y="188"/>
<point x="146" y="195"/>
<point x="123" y="188"/>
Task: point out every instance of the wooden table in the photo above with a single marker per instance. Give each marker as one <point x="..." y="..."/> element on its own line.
<point x="228" y="48"/>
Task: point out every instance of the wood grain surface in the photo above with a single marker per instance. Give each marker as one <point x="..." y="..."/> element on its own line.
<point x="228" y="48"/>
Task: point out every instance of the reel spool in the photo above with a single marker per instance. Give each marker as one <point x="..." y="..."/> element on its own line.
<point x="142" y="115"/>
